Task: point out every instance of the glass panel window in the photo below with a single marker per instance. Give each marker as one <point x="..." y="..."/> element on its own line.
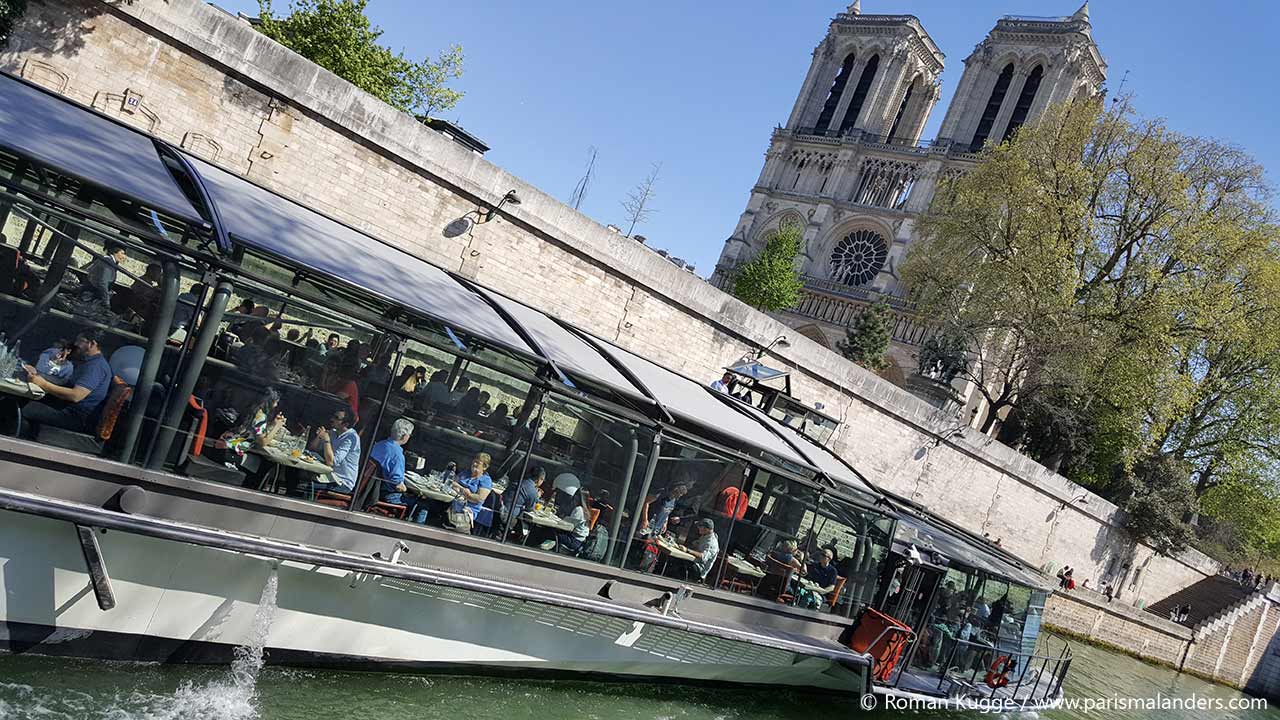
<point x="469" y="432"/>
<point x="77" y="310"/>
<point x="592" y="462"/>
<point x="680" y="531"/>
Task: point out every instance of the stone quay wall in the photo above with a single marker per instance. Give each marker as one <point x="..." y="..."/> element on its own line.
<point x="1239" y="647"/>
<point x="203" y="79"/>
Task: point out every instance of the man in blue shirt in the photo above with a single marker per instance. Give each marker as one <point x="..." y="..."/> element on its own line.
<point x="823" y="572"/>
<point x="339" y="448"/>
<point x="389" y="454"/>
<point x="74" y="407"/>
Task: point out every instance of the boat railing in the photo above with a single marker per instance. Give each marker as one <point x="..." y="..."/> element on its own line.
<point x="1017" y="677"/>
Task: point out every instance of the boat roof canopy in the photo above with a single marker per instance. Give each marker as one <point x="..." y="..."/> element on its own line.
<point x="50" y="130"/>
<point x="53" y="131"/>
<point x="928" y="536"/>
<point x="262" y="219"/>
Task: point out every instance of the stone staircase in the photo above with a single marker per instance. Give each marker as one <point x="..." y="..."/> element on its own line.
<point x="1215" y="602"/>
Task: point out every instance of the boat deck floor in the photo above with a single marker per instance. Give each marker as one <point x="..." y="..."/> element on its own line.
<point x="1033" y="689"/>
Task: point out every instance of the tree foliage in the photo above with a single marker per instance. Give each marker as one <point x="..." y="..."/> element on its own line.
<point x="771" y="282"/>
<point x="1118" y="287"/>
<point x="1155" y="496"/>
<point x="867" y="337"/>
<point x="10" y="12"/>
<point x="338" y="36"/>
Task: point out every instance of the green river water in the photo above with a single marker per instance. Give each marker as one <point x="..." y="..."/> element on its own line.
<point x="36" y="688"/>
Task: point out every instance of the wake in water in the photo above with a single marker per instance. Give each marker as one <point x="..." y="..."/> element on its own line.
<point x="232" y="698"/>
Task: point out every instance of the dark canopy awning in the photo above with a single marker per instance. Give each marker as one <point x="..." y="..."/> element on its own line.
<point x="926" y="536"/>
<point x="53" y="131"/>
<point x="694" y="402"/>
<point x="262" y="219"/>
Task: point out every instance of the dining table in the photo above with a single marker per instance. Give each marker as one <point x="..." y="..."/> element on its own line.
<point x="281" y="459"/>
<point x="429" y="487"/>
<point x="23" y="392"/>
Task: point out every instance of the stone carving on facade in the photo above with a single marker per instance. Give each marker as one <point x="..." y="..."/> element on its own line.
<point x="129" y="108"/>
<point x="883" y="182"/>
<point x="202" y="145"/>
<point x="46" y="75"/>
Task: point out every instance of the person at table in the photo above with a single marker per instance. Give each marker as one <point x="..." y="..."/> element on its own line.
<point x="55" y="363"/>
<point x="823" y="572"/>
<point x="460" y="390"/>
<point x="343" y="384"/>
<point x="469" y="405"/>
<point x="100" y="276"/>
<point x="655" y="514"/>
<point x="500" y="417"/>
<point x="184" y="313"/>
<point x="786" y="553"/>
<point x="338" y="446"/>
<point x="572" y="507"/>
<point x="144" y="295"/>
<point x="434" y="393"/>
<point x="259" y="426"/>
<point x="724" y="384"/>
<point x="75" y="406"/>
<point x="473" y="486"/>
<point x="331" y="344"/>
<point x="388" y="453"/>
<point x="527" y="496"/>
<point x="407" y="382"/>
<point x="704" y="546"/>
<point x="239" y="326"/>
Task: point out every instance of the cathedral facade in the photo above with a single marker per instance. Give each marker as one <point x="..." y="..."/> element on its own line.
<point x="850" y="168"/>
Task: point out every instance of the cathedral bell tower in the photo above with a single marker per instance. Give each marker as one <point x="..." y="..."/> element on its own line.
<point x="873" y="80"/>
<point x="1024" y="65"/>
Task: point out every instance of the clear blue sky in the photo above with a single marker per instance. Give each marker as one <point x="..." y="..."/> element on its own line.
<point x="698" y="86"/>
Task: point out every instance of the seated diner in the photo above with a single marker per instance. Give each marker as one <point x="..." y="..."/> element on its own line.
<point x="75" y="405"/>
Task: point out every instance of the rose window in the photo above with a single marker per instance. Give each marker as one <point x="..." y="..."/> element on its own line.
<point x="858" y="257"/>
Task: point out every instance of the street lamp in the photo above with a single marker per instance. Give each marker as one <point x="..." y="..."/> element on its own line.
<point x="510" y="197"/>
<point x="781" y="341"/>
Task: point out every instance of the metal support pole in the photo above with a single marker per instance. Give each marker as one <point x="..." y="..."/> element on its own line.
<point x="190" y="376"/>
<point x="615" y="522"/>
<point x="151" y="362"/>
<point x="649" y="468"/>
<point x="524" y="468"/>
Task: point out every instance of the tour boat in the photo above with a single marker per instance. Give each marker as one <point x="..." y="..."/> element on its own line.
<point x="150" y="532"/>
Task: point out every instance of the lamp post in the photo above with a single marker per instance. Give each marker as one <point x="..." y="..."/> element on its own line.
<point x="781" y="341"/>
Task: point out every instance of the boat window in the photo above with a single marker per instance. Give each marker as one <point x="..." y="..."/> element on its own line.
<point x="469" y="437"/>
<point x="284" y="381"/>
<point x="77" y="309"/>
<point x="593" y="466"/>
<point x="858" y="541"/>
<point x="679" y="529"/>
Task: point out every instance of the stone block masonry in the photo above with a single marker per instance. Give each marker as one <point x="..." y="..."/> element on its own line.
<point x="212" y="84"/>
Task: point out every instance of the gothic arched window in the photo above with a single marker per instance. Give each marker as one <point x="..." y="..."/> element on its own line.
<point x="833" y="97"/>
<point x="858" y="257"/>
<point x="902" y="110"/>
<point x="860" y="94"/>
<point x="1025" y="98"/>
<point x="993" y="108"/>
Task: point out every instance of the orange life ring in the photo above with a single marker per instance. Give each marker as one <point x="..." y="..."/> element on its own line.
<point x="998" y="673"/>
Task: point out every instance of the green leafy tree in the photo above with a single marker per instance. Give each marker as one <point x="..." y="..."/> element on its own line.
<point x="1155" y="496"/>
<point x="771" y="282"/>
<point x="867" y="338"/>
<point x="338" y="36"/>
<point x="1249" y="507"/>
<point x="10" y="12"/>
<point x="1092" y="265"/>
<point x="943" y="356"/>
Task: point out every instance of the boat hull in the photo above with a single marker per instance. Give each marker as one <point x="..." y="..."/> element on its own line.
<point x="186" y="602"/>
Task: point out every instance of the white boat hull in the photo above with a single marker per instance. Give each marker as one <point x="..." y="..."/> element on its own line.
<point x="182" y="602"/>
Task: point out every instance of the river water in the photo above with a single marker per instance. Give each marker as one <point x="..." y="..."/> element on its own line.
<point x="35" y="688"/>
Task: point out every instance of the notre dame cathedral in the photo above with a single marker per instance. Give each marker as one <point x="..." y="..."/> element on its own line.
<point x="849" y="167"/>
